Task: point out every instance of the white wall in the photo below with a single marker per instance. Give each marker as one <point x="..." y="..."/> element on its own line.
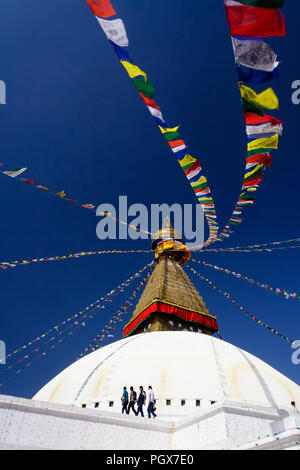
<point x="29" y="424"/>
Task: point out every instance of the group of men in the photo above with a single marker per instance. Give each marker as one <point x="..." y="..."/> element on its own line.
<point x="129" y="401"/>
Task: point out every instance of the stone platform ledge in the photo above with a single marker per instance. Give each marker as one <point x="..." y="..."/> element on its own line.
<point x="31" y="424"/>
<point x="164" y="423"/>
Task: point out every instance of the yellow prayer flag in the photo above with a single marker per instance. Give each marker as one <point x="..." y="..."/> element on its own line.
<point x="267" y="98"/>
<point x="187" y="160"/>
<point x="60" y="194"/>
<point x="201" y="180"/>
<point x="133" y="70"/>
<point x="250" y="173"/>
<point x="264" y="143"/>
<point x="251" y="189"/>
<point x="164" y="130"/>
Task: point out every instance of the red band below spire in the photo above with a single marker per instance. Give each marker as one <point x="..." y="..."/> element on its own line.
<point x="209" y="321"/>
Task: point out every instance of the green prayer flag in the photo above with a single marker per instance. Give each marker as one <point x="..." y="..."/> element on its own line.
<point x="200" y="186"/>
<point x="247" y="197"/>
<point x="252" y="108"/>
<point x="144" y="86"/>
<point x="171" y="136"/>
<point x="263" y="3"/>
<point x="258" y="151"/>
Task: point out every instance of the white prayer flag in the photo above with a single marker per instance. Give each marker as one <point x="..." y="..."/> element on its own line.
<point x="156" y="113"/>
<point x="266" y="128"/>
<point x="254" y="54"/>
<point x="115" y="31"/>
<point x="15" y="172"/>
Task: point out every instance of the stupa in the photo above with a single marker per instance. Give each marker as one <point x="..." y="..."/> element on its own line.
<point x="209" y="393"/>
<point x="170" y="302"/>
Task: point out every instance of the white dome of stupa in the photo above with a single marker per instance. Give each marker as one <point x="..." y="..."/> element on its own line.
<point x="185" y="369"/>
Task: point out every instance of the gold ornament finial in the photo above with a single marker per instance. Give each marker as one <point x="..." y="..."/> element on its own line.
<point x="168" y="243"/>
<point x="167" y="231"/>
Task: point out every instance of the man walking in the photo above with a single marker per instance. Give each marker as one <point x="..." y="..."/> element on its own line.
<point x="151" y="403"/>
<point x="124" y="400"/>
<point x="141" y="401"/>
<point x="132" y="401"/>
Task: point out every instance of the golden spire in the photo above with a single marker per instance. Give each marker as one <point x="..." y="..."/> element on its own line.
<point x="167" y="231"/>
<point x="170" y="301"/>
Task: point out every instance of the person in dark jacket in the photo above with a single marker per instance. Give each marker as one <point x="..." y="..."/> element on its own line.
<point x="124" y="400"/>
<point x="132" y="401"/>
<point x="141" y="401"/>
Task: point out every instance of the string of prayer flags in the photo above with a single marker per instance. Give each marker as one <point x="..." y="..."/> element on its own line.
<point x="62" y="195"/>
<point x="72" y="323"/>
<point x="257" y="63"/>
<point x="13" y="264"/>
<point x="252" y="250"/>
<point x="277" y="291"/>
<point x="265" y="247"/>
<point x="115" y="32"/>
<point x="96" y="343"/>
<point x="229" y="297"/>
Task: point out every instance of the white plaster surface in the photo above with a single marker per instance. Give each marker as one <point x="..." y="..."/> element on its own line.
<point x="244" y="403"/>
<point x="179" y="366"/>
<point x="27" y="424"/>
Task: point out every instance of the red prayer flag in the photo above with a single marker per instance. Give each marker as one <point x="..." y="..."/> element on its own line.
<point x="253" y="182"/>
<point x="149" y="102"/>
<point x="101" y="8"/>
<point x="263" y="158"/>
<point x="253" y="21"/>
<point x="193" y="168"/>
<point x="176" y="143"/>
<point x="27" y="180"/>
<point x="254" y="119"/>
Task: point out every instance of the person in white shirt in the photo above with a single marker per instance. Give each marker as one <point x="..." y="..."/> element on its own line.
<point x="150" y="409"/>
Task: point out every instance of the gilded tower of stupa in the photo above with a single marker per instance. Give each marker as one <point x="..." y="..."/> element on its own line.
<point x="170" y="301"/>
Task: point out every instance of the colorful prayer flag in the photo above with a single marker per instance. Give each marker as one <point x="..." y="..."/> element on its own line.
<point x="268" y="143"/>
<point x="254" y="119"/>
<point x="255" y="77"/>
<point x="263" y="3"/>
<point x="115" y="31"/>
<point x="101" y="8"/>
<point x="254" y="54"/>
<point x="266" y="128"/>
<point x="149" y="102"/>
<point x="266" y="99"/>
<point x="144" y="87"/>
<point x="263" y="158"/>
<point x="15" y="172"/>
<point x="60" y="194"/>
<point x="254" y="22"/>
<point x="133" y="70"/>
<point x="165" y="130"/>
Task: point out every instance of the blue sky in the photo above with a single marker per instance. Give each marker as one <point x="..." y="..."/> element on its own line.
<point x="76" y="121"/>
